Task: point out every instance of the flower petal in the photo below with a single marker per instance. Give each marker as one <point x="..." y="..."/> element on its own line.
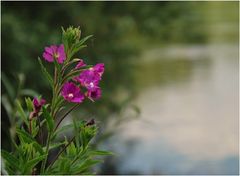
<point x="49" y="50"/>
<point x="72" y="93"/>
<point x="61" y="53"/>
<point x="48" y="57"/>
<point x="80" y="64"/>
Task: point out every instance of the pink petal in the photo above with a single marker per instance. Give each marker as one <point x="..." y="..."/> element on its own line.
<point x="49" y="50"/>
<point x="48" y="57"/>
<point x="54" y="48"/>
<point x="61" y="52"/>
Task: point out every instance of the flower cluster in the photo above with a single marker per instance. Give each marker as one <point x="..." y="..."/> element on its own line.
<point x="87" y="80"/>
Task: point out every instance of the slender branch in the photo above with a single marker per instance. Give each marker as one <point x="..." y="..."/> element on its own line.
<point x="69" y="63"/>
<point x="30" y="126"/>
<point x="40" y="131"/>
<point x="57" y="107"/>
<point x="70" y="110"/>
<point x="47" y="148"/>
<point x="60" y="152"/>
<point x="52" y="110"/>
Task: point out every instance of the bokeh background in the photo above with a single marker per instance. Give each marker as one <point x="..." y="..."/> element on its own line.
<point x="170" y="89"/>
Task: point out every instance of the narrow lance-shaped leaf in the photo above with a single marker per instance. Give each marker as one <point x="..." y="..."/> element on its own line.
<point x="79" y="45"/>
<point x="22" y="113"/>
<point x="55" y="145"/>
<point x="45" y="72"/>
<point x="10" y="159"/>
<point x="99" y="152"/>
<point x="30" y="164"/>
<point x="87" y="164"/>
<point x="9" y="87"/>
<point x="26" y="137"/>
<point x="49" y="118"/>
<point x="29" y="104"/>
<point x="83" y="40"/>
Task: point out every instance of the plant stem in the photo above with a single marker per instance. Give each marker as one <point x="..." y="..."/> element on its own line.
<point x="63" y="117"/>
<point x="69" y="63"/>
<point x="30" y="126"/>
<point x="60" y="152"/>
<point x="40" y="131"/>
<point x="47" y="148"/>
<point x="52" y="110"/>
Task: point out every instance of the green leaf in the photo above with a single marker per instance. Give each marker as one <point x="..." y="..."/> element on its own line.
<point x="24" y="136"/>
<point x="49" y="118"/>
<point x="29" y="104"/>
<point x="35" y="127"/>
<point x="79" y="45"/>
<point x="45" y="72"/>
<point x="55" y="145"/>
<point x="71" y="149"/>
<point x="21" y="112"/>
<point x="10" y="159"/>
<point x="30" y="164"/>
<point x="9" y="87"/>
<point x="76" y="49"/>
<point x="83" y="40"/>
<point x="87" y="133"/>
<point x="28" y="92"/>
<point x="38" y="147"/>
<point x="99" y="152"/>
<point x="87" y="164"/>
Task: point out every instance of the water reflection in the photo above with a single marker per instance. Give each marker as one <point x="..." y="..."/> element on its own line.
<point x="189" y="113"/>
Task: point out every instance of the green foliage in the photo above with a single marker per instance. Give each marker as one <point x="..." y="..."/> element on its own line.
<point x="71" y="41"/>
<point x="49" y="118"/>
<point x="29" y="104"/>
<point x="45" y="72"/>
<point x="11" y="162"/>
<point x="22" y="113"/>
<point x="78" y="157"/>
<point x="31" y="150"/>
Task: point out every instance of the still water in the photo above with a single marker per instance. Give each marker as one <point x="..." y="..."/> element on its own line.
<point x="188" y="97"/>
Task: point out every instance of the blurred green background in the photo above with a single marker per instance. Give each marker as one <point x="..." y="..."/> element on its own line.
<point x="144" y="45"/>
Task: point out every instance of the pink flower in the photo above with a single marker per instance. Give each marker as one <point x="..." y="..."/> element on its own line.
<point x="80" y="64"/>
<point x="99" y="68"/>
<point x="54" y="52"/>
<point x="72" y="93"/>
<point x="90" y="78"/>
<point x="37" y="106"/>
<point x="94" y="94"/>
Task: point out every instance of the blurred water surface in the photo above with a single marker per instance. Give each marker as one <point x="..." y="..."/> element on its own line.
<point x="188" y="96"/>
<point x="189" y="112"/>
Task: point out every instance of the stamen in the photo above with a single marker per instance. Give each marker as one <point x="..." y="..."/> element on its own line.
<point x="91" y="84"/>
<point x="70" y="95"/>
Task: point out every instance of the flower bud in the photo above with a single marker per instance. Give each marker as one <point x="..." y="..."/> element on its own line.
<point x="72" y="35"/>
